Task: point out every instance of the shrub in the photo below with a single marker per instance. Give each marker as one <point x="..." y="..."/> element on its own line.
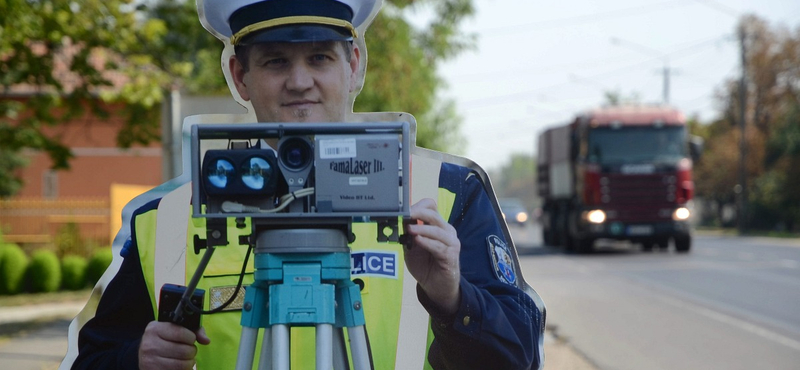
<point x="68" y="240"/>
<point x="98" y="264"/>
<point x="13" y="263"/>
<point x="73" y="272"/>
<point x="44" y="272"/>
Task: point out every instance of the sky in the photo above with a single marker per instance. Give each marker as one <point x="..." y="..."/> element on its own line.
<point x="538" y="63"/>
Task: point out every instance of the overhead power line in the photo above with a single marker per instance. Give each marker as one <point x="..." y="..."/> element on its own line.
<point x="698" y="47"/>
<point x="716" y="5"/>
<point x="586" y="18"/>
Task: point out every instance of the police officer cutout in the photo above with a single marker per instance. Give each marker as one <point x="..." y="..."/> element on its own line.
<point x="295" y="61"/>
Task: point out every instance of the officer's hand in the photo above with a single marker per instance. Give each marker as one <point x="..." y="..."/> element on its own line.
<point x="168" y="346"/>
<point x="433" y="257"/>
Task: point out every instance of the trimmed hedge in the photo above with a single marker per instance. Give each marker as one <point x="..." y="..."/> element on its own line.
<point x="44" y="272"/>
<point x="73" y="272"/>
<point x="98" y="264"/>
<point x="13" y="264"/>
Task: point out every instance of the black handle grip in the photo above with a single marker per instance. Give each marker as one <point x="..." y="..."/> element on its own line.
<point x="170" y="297"/>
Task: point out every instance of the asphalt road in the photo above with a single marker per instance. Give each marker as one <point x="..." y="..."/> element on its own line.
<point x="35" y="348"/>
<point x="731" y="303"/>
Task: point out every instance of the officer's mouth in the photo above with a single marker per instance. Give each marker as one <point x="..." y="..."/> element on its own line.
<point x="299" y="104"/>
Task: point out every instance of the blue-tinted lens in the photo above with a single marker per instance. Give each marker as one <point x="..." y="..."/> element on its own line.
<point x="219" y="173"/>
<point x="295" y="157"/>
<point x="295" y="153"/>
<point x="256" y="172"/>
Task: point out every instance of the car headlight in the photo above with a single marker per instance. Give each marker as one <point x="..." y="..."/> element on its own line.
<point x="681" y="214"/>
<point x="522" y="217"/>
<point x="595" y="216"/>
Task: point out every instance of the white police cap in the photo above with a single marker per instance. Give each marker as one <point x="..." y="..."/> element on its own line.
<point x="255" y="21"/>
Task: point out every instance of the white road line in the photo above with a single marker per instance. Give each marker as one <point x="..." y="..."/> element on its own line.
<point x="730" y="320"/>
<point x="792" y="264"/>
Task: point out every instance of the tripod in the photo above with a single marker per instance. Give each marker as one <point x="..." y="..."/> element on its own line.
<point x="302" y="278"/>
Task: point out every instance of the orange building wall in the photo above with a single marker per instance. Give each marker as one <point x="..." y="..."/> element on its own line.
<point x="97" y="161"/>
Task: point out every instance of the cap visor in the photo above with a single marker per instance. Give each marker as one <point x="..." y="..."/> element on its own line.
<point x="299" y="33"/>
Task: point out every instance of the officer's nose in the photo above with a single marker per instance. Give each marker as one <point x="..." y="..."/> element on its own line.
<point x="300" y="78"/>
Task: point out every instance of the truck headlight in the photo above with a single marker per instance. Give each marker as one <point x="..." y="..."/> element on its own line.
<point x="595" y="216"/>
<point x="681" y="214"/>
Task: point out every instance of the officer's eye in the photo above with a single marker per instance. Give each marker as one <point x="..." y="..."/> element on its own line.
<point x="320" y="58"/>
<point x="275" y="62"/>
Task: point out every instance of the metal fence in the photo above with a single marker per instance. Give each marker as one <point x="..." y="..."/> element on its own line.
<point x="43" y="222"/>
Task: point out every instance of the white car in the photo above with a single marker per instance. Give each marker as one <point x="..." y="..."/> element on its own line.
<point x="519" y="223"/>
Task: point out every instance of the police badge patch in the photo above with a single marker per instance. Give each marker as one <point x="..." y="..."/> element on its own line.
<point x="501" y="259"/>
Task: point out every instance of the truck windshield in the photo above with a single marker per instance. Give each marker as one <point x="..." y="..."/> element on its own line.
<point x="639" y="144"/>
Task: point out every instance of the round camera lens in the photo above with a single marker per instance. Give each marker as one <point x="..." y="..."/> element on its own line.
<point x="295" y="154"/>
<point x="295" y="157"/>
<point x="256" y="172"/>
<point x="219" y="172"/>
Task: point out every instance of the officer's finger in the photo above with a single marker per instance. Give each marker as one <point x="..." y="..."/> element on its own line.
<point x="425" y="211"/>
<point x="441" y="242"/>
<point x="175" y="333"/>
<point x="157" y="350"/>
<point x="202" y="337"/>
<point x="162" y="363"/>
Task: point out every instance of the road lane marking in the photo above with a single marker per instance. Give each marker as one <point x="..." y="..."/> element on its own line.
<point x="730" y="320"/>
<point x="792" y="264"/>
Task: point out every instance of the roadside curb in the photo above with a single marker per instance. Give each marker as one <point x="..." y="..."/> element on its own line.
<point x="21" y="314"/>
<point x="560" y="355"/>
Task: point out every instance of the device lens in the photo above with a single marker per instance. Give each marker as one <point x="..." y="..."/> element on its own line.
<point x="295" y="154"/>
<point x="256" y="172"/>
<point x="219" y="173"/>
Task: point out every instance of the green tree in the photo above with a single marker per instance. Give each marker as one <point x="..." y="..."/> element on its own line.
<point x="517" y="179"/>
<point x="772" y="136"/>
<point x="10" y="161"/>
<point x="189" y="46"/>
<point x="66" y="56"/>
<point x="615" y="98"/>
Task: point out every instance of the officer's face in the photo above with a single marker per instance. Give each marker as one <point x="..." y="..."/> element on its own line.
<point x="297" y="82"/>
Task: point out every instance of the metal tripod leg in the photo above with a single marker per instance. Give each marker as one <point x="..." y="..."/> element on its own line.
<point x="266" y="350"/>
<point x="275" y="348"/>
<point x="358" y="347"/>
<point x="302" y="278"/>
<point x="280" y="347"/>
<point x="247" y="347"/>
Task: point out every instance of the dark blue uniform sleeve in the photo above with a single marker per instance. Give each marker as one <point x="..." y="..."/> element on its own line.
<point x="496" y="325"/>
<point x="111" y="339"/>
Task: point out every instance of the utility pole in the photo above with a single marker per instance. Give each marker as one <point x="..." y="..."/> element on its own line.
<point x="646" y="50"/>
<point x="741" y="213"/>
<point x="665" y="94"/>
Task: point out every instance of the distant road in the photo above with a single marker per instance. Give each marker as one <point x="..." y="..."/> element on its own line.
<point x="731" y="303"/>
<point x="39" y="348"/>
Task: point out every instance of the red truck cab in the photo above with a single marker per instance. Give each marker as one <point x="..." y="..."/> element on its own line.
<point x="622" y="172"/>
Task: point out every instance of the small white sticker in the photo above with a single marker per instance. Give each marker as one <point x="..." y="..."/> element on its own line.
<point x="359" y="181"/>
<point x="337" y="148"/>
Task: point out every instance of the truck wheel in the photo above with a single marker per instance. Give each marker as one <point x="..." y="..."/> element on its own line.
<point x="567" y="242"/>
<point x="683" y="243"/>
<point x="547" y="237"/>
<point x="584" y="245"/>
<point x="647" y="245"/>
